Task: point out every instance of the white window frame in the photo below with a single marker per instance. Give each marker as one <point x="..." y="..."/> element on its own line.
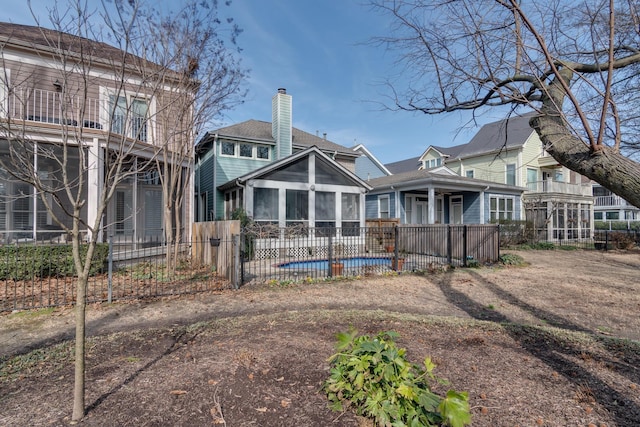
<point x="498" y="211"/>
<point x="469" y="173"/>
<point x="237" y="150"/>
<point x="105" y="113"/>
<point x="4" y="93"/>
<point x="384" y="199"/>
<point x="506" y="174"/>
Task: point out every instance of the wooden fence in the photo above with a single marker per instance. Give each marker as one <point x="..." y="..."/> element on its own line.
<point x="213" y="245"/>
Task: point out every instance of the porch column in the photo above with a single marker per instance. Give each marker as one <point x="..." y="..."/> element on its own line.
<point x="431" y="206"/>
<point x="95" y="181"/>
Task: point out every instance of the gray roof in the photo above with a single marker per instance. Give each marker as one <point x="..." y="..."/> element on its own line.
<point x="48" y="40"/>
<point x="403" y="165"/>
<point x="261" y="131"/>
<point x="512" y="132"/>
<point x="443" y="178"/>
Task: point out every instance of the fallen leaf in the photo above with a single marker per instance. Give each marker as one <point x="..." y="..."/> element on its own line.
<point x="250" y="376"/>
<point x="483" y="396"/>
<point x="263" y="409"/>
<point x="178" y="392"/>
<point x="285" y="402"/>
<point x="212" y="382"/>
<point x="484" y="410"/>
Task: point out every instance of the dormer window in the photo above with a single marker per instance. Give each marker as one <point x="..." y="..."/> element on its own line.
<point x="432" y="163"/>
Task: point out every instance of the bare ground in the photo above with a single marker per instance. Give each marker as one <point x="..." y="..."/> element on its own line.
<point x="554" y="344"/>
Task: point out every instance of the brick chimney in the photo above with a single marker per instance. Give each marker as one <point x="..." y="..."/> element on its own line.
<point x="281" y="123"/>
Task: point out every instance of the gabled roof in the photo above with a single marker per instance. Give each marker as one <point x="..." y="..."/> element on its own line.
<point x="402" y="166"/>
<point x="362" y="149"/>
<point x="48" y="40"/>
<point x="426" y="176"/>
<point x="290" y="159"/>
<point x="509" y="133"/>
<point x="260" y="131"/>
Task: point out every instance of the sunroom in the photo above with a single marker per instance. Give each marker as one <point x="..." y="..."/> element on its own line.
<point x="306" y="196"/>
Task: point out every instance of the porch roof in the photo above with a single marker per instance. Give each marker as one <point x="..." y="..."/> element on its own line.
<point x="424" y="178"/>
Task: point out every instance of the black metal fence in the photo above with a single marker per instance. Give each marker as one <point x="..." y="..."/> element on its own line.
<point x="514" y="235"/>
<point x="277" y="254"/>
<point x="34" y="276"/>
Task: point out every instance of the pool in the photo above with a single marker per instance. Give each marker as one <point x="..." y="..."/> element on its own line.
<point x="323" y="264"/>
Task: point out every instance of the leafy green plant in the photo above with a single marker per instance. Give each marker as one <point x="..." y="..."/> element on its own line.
<point x="373" y="376"/>
<point x="511" y="259"/>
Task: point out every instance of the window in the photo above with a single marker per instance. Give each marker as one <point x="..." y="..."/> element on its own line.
<point x="246" y="150"/>
<point x="325" y="213"/>
<point x="501" y="208"/>
<point x="129" y="119"/>
<point x="559" y="177"/>
<point x="265" y="204"/>
<point x="613" y="215"/>
<point x="511" y="174"/>
<point x="123" y="212"/>
<point x="432" y="163"/>
<point x="408" y="209"/>
<point x="228" y="148"/>
<point x="383" y="207"/>
<point x="350" y="214"/>
<point x="139" y="111"/>
<point x="597" y="216"/>
<point x="262" y="152"/>
<point x="297" y="207"/>
<point x="469" y="174"/>
<point x="532" y="179"/>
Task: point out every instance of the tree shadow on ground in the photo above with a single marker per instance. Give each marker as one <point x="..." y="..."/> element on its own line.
<point x="552" y="350"/>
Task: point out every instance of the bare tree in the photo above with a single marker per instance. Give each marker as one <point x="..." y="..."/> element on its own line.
<point x="577" y="64"/>
<point x="114" y="114"/>
<point x="196" y="53"/>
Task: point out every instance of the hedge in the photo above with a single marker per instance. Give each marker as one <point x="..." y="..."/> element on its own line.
<point x="26" y="262"/>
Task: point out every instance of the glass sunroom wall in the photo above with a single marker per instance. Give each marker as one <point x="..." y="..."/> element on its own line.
<point x="24" y="216"/>
<point x="53" y="179"/>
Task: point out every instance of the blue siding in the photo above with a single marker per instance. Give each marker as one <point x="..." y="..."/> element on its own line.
<point x="371" y="205"/>
<point x="367" y="169"/>
<point x="471" y="208"/>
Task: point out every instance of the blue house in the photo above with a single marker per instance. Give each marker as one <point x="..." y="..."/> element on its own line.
<point x="439" y="196"/>
<point x="278" y="174"/>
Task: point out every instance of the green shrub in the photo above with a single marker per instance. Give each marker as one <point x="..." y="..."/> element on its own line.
<point x="373" y="376"/>
<point x="511" y="259"/>
<point x="25" y="262"/>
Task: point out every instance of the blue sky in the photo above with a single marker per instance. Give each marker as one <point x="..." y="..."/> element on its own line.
<point x="318" y="51"/>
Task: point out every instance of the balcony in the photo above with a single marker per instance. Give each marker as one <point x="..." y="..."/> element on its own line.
<point x="550" y="186"/>
<point x="611" y="201"/>
<point x="52" y="107"/>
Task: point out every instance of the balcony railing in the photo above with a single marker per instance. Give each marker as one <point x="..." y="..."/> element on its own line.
<point x="43" y="106"/>
<point x="610" y="201"/>
<point x="550" y="186"/>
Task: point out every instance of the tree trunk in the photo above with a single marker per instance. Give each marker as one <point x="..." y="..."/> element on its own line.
<point x="605" y="166"/>
<point x="78" y="390"/>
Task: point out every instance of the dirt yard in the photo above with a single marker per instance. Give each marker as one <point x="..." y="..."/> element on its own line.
<point x="555" y="343"/>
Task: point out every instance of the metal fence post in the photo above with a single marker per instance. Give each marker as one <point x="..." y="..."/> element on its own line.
<point x="464" y="245"/>
<point x="110" y="275"/>
<point x="449" y="244"/>
<point x="395" y="263"/>
<point x="330" y="257"/>
<point x="236" y="260"/>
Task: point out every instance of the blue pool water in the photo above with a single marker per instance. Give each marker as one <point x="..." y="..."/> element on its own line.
<point x="323" y="264"/>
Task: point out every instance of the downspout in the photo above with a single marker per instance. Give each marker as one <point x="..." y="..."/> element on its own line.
<point x="482" y="216"/>
<point x="214" y="191"/>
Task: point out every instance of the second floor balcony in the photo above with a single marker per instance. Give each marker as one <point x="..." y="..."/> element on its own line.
<point x="611" y="201"/>
<point x="53" y="107"/>
<point x="551" y="186"/>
